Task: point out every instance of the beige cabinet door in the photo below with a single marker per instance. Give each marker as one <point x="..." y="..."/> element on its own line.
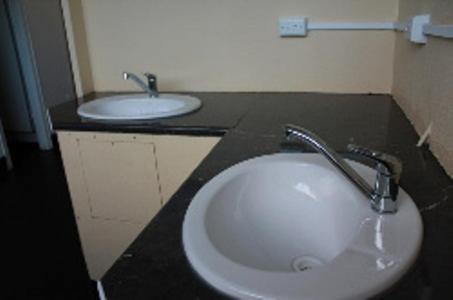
<point x="118" y="182"/>
<point x="103" y="242"/>
<point x="114" y="188"/>
<point x="177" y="157"/>
<point x="121" y="179"/>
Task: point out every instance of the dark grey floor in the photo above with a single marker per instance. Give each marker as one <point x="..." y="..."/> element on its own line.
<point x="41" y="255"/>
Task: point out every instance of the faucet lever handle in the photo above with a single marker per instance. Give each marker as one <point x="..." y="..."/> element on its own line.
<point x="393" y="165"/>
<point x="149" y="75"/>
<point x="152" y="80"/>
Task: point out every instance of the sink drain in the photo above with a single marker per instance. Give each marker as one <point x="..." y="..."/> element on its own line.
<point x="306" y="263"/>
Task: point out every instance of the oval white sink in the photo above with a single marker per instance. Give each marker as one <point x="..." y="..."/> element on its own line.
<point x="289" y="226"/>
<point x="138" y="107"/>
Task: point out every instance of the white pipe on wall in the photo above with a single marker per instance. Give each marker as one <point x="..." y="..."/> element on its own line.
<point x="352" y="26"/>
<point x="444" y="31"/>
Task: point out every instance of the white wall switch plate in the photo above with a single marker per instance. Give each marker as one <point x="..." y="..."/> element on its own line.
<point x="292" y="26"/>
<point x="416" y="24"/>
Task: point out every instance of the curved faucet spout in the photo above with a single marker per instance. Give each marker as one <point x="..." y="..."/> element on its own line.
<point x="382" y="196"/>
<point x="130" y="76"/>
<point x="297" y="133"/>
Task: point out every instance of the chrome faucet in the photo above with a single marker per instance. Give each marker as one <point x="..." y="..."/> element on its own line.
<point x="385" y="191"/>
<point x="150" y="89"/>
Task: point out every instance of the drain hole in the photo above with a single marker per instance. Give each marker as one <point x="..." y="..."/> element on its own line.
<point x="306" y="263"/>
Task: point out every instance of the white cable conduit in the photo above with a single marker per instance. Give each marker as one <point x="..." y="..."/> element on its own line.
<point x="352" y="26"/>
<point x="442" y="31"/>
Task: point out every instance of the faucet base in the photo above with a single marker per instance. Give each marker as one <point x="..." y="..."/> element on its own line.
<point x="384" y="206"/>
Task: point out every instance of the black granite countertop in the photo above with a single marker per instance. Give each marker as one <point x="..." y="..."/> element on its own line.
<point x="155" y="266"/>
<point x="218" y="113"/>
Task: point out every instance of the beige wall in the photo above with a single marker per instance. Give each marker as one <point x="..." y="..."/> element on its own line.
<point x="224" y="45"/>
<point x="77" y="44"/>
<point x="423" y="79"/>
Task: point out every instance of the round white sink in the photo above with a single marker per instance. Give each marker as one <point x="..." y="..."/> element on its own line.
<point x="289" y="226"/>
<point x="138" y="107"/>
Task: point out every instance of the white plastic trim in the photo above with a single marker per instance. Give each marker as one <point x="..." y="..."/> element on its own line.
<point x="100" y="289"/>
<point x="401" y="26"/>
<point x="415" y="32"/>
<point x="416" y="22"/>
<point x="444" y="31"/>
<point x="425" y="135"/>
<point x="352" y="26"/>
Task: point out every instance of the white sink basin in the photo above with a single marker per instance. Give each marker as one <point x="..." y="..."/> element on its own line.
<point x="289" y="226"/>
<point x="138" y="107"/>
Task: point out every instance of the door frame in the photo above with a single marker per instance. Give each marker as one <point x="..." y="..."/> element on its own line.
<point x="38" y="111"/>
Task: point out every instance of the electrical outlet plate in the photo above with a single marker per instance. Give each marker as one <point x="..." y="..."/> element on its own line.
<point x="292" y="26"/>
<point x="416" y="24"/>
